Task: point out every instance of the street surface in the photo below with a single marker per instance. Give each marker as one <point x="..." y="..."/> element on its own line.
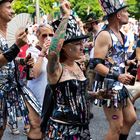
<point x="98" y="125"/>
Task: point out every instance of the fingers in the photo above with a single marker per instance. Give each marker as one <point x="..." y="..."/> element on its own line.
<point x="102" y="94"/>
<point x="65" y="4"/>
<point x="126" y="78"/>
<point x="65" y="7"/>
<point x="29" y="61"/>
<point x="47" y="45"/>
<point x="22" y="36"/>
<point x="133" y="62"/>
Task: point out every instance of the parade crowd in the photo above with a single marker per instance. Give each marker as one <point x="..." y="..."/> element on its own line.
<point x="56" y="70"/>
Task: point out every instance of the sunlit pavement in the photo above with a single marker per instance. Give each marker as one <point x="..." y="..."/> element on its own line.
<point x="98" y="125"/>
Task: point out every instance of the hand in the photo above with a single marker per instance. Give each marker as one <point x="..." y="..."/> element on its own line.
<point x="45" y="47"/>
<point x="29" y="62"/>
<point x="125" y="78"/>
<point x="21" y="38"/>
<point x="131" y="62"/>
<point x="102" y="94"/>
<point x="65" y="7"/>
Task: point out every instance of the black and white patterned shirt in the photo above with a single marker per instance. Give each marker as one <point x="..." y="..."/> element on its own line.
<point x="7" y="72"/>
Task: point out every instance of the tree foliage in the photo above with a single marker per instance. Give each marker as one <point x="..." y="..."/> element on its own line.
<point x="22" y="6"/>
<point x="80" y="7"/>
<point x="134" y="8"/>
<point x="84" y="7"/>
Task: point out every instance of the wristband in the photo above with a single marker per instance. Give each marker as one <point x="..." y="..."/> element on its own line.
<point x="41" y="54"/>
<point x="11" y="53"/>
<point x="113" y="75"/>
<point x="93" y="62"/>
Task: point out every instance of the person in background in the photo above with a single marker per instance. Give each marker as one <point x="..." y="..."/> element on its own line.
<point x="38" y="83"/>
<point x="93" y="28"/>
<point x="129" y="38"/>
<point x="109" y="64"/>
<point x="91" y="24"/>
<point x="22" y="55"/>
<point x="136" y="55"/>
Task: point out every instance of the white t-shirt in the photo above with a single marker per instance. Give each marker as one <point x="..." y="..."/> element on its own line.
<point x="38" y="85"/>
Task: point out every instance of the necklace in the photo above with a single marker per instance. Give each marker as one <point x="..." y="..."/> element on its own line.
<point x="74" y="72"/>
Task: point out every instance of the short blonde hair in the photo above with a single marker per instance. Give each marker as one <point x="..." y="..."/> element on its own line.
<point x="43" y="26"/>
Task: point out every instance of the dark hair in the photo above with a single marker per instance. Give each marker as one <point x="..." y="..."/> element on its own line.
<point x="5" y="1"/>
<point x="62" y="56"/>
<point x="109" y="17"/>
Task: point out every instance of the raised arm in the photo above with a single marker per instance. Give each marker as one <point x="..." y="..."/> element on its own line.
<point x="54" y="67"/>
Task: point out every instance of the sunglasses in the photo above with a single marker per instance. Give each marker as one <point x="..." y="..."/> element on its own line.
<point x="47" y="35"/>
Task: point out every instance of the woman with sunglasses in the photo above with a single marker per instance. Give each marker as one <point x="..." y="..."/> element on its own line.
<point x="39" y="75"/>
<point x="38" y="83"/>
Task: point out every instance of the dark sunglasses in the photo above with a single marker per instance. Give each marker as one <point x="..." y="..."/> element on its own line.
<point x="47" y="35"/>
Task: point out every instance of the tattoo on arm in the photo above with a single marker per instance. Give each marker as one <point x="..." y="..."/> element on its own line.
<point x="52" y="64"/>
<point x="58" y="39"/>
<point x="56" y="45"/>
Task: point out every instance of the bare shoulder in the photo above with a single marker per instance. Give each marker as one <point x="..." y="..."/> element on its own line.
<point x="103" y="38"/>
<point x="102" y="44"/>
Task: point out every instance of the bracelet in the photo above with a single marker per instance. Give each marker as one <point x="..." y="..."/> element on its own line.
<point x="11" y="53"/>
<point x="113" y="75"/>
<point x="41" y="55"/>
<point x="116" y="75"/>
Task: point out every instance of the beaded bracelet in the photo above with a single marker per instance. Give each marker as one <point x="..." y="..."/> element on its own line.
<point x="41" y="55"/>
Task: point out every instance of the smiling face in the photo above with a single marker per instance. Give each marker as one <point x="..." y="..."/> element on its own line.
<point x="6" y="12"/>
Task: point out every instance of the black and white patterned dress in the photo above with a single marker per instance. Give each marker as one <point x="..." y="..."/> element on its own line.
<point x="12" y="101"/>
<point x="70" y="117"/>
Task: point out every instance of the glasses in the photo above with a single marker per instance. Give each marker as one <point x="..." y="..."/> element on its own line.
<point x="47" y="35"/>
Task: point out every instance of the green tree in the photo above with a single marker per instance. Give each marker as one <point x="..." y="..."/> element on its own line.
<point x="81" y="7"/>
<point x="84" y="7"/>
<point x="29" y="6"/>
<point x="22" y="6"/>
<point x="134" y="8"/>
